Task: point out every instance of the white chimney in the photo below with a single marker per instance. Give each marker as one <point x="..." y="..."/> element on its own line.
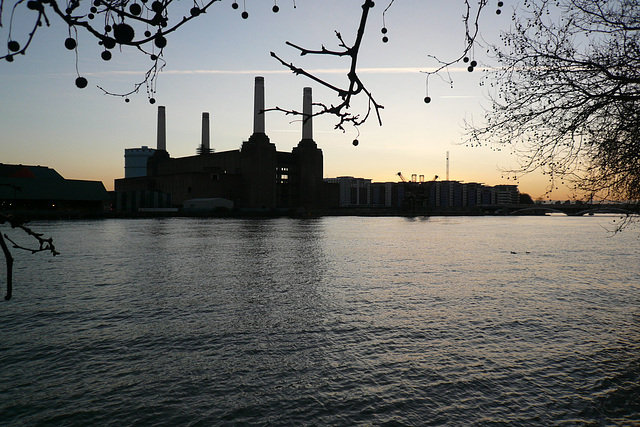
<point x="307" y="124"/>
<point x="162" y="129"/>
<point x="205" y="133"/>
<point x="258" y="106"/>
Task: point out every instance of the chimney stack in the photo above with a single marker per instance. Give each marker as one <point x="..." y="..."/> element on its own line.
<point x="307" y="124"/>
<point x="162" y="129"/>
<point x="206" y="149"/>
<point x="258" y="106"/>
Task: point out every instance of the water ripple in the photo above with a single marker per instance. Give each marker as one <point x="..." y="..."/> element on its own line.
<point x="336" y="321"/>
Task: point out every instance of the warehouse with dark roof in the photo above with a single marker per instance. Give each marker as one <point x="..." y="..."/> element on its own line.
<point x="27" y="187"/>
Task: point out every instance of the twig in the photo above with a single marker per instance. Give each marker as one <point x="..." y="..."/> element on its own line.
<point x="355" y="85"/>
<point x="45" y="245"/>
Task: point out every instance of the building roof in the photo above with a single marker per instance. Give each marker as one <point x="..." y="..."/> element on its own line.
<point x="20" y="182"/>
<point x="26" y="171"/>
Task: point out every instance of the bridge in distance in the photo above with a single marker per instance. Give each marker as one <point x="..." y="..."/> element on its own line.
<point x="578" y="209"/>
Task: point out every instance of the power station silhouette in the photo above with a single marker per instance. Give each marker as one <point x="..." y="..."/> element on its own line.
<point x="258" y="178"/>
<point x="255" y="177"/>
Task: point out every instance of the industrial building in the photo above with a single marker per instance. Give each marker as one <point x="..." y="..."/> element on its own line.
<point x="40" y="188"/>
<point x="256" y="177"/>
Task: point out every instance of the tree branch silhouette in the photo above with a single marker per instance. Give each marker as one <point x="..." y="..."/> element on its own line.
<point x="470" y="41"/>
<point x="355" y="84"/>
<point x="120" y="19"/>
<point x="44" y="245"/>
<point x="568" y="97"/>
<point x="145" y="25"/>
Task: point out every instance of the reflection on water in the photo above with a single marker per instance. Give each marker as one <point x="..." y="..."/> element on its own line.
<point x="337" y="321"/>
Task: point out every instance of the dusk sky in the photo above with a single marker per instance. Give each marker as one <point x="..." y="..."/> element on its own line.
<point x="211" y="65"/>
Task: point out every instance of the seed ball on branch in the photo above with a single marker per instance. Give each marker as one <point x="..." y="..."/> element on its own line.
<point x="156" y="6"/>
<point x="34" y="5"/>
<point x="81" y="82"/>
<point x="355" y="142"/>
<point x="135" y="9"/>
<point x="13" y="46"/>
<point x="474" y="63"/>
<point x="385" y="39"/>
<point x="465" y="59"/>
<point x="160" y="41"/>
<point x="195" y="11"/>
<point x="106" y="55"/>
<point x="245" y="14"/>
<point x="384" y="30"/>
<point x="234" y="5"/>
<point x="275" y="8"/>
<point x="70" y="43"/>
<point x="147" y="33"/>
<point x="152" y="100"/>
<point x="470" y="69"/>
<point x="123" y="33"/>
<point x="109" y="43"/>
<point x="427" y="99"/>
<point x="9" y="58"/>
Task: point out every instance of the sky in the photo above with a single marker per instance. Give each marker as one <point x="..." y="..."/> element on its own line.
<point x="211" y="65"/>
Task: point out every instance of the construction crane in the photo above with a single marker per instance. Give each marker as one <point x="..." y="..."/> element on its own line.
<point x="404" y="179"/>
<point x="416" y="194"/>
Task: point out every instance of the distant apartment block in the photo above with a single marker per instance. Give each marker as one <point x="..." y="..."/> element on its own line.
<point x="433" y="195"/>
<point x="353" y="191"/>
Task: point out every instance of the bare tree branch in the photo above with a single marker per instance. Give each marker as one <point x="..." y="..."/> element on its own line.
<point x="355" y="85"/>
<point x="44" y="245"/>
<point x="9" y="262"/>
<point x="146" y="26"/>
<point x="568" y="96"/>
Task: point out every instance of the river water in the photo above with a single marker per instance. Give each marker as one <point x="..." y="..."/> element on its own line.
<point x="329" y="321"/>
